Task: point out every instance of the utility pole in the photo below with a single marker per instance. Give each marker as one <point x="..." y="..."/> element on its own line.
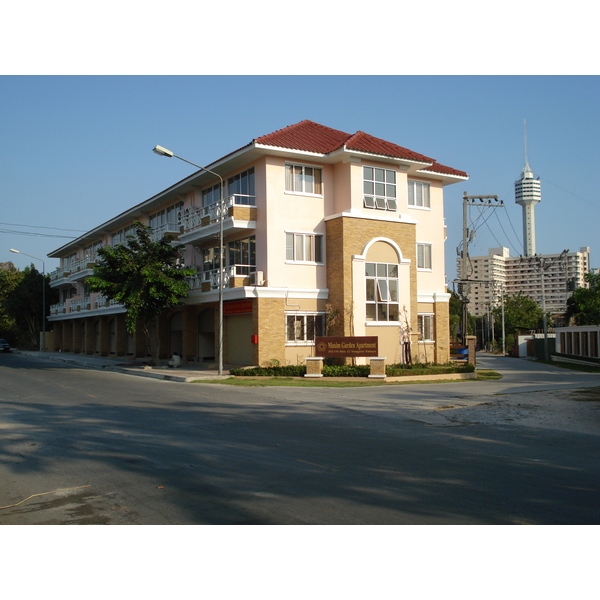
<point x="544" y="263"/>
<point x="503" y="328"/>
<point x="464" y="281"/>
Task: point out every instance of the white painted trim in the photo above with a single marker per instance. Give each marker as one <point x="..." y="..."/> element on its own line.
<point x="401" y="259"/>
<point x="433" y="297"/>
<point x="356" y="214"/>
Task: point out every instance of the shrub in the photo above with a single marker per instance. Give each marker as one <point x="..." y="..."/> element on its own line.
<point x="275" y="371"/>
<point x="346" y="370"/>
<point x="352" y="370"/>
<point x="427" y="369"/>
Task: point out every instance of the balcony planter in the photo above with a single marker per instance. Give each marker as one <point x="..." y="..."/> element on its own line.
<point x="206" y="286"/>
<point x="205" y="221"/>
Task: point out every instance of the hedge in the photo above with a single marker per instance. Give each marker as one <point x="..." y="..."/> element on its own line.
<point x="352" y="370"/>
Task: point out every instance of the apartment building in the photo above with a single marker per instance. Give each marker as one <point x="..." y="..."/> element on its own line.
<point x="325" y="233"/>
<point x="498" y="272"/>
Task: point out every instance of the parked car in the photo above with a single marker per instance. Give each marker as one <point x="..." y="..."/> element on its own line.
<point x="4" y="345"/>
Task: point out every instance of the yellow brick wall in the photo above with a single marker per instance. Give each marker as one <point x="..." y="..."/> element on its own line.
<point x="268" y="322"/>
<point x="347" y="237"/>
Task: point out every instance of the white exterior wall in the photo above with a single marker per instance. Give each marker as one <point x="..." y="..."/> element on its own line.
<point x="430" y="229"/>
<point x="294" y="213"/>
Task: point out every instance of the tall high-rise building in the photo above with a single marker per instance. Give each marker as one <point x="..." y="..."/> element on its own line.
<point x="528" y="192"/>
<point x="499" y="273"/>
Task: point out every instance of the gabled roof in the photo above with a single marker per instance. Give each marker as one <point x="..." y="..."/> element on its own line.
<point x="307" y="136"/>
<point x="443" y="170"/>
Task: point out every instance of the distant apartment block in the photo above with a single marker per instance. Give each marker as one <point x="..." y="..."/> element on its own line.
<point x="498" y="272"/>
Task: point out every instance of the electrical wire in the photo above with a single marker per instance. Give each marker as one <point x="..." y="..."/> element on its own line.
<point x="504" y="232"/>
<point x="44" y="494"/>
<point x="594" y="204"/>
<point x="41" y="227"/>
<point x="520" y="243"/>
<point x="34" y="234"/>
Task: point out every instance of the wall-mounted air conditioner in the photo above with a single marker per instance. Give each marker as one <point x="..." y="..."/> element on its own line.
<point x="257" y="278"/>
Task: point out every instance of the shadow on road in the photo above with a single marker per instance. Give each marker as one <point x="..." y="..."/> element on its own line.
<point x="219" y="462"/>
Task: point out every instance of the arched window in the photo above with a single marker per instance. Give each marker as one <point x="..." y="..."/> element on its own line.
<point x="382" y="291"/>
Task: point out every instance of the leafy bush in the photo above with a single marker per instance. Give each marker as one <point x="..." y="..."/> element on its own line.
<point x="276" y="371"/>
<point x="346" y="370"/>
<point x="352" y="370"/>
<point x="427" y="369"/>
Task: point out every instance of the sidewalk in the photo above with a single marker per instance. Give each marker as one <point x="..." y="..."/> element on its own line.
<point x="186" y="373"/>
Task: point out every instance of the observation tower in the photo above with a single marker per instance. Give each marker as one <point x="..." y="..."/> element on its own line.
<point x="528" y="192"/>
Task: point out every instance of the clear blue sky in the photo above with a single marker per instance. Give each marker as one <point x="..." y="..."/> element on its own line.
<point x="77" y="150"/>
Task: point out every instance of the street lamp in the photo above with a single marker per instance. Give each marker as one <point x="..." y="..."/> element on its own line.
<point x="164" y="152"/>
<point x="43" y="344"/>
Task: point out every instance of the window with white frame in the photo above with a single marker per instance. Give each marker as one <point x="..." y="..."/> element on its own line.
<point x="303" y="179"/>
<point x="382" y="291"/>
<point x="304" y="247"/>
<point x="302" y="329"/>
<point x="423" y="256"/>
<point x="379" y="188"/>
<point x="418" y="194"/>
<point x="425" y="328"/>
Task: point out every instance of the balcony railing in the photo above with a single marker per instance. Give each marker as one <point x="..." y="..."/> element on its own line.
<point x="58" y="309"/>
<point x="160" y="231"/>
<point x="77" y="305"/>
<point x="209" y="280"/>
<point x="60" y="273"/>
<point x="191" y="218"/>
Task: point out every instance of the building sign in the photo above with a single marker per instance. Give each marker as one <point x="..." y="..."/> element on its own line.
<point x="237" y="307"/>
<point x="347" y="346"/>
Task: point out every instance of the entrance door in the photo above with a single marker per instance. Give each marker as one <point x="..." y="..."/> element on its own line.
<point x="239" y="344"/>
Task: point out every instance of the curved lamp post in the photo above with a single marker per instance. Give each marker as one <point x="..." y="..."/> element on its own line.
<point x="164" y="152"/>
<point x="43" y="342"/>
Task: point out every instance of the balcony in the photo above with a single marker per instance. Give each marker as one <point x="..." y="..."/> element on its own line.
<point x="80" y="304"/>
<point x="200" y="224"/>
<point x="60" y="277"/>
<point x="81" y="269"/>
<point x="83" y="305"/>
<point x="159" y="232"/>
<point x="234" y="276"/>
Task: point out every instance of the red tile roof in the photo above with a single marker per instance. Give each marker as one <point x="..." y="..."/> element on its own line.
<point x="308" y="136"/>
<point x="367" y="143"/>
<point x="437" y="168"/>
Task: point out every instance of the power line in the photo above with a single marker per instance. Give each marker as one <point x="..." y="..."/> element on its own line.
<point x="594" y="204"/>
<point x="41" y="227"/>
<point x="34" y="234"/>
<point x="505" y="234"/>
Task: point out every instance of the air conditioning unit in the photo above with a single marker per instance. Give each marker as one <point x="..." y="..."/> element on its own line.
<point x="257" y="278"/>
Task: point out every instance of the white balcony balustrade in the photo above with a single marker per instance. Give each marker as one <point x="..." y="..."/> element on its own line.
<point x="158" y="232"/>
<point x="58" y="309"/>
<point x="209" y="280"/>
<point x="238" y="212"/>
<point x="79" y="304"/>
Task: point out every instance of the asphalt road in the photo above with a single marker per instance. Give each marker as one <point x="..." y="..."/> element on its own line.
<point x="156" y="452"/>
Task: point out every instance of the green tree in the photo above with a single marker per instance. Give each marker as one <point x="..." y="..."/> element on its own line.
<point x="9" y="279"/>
<point x="520" y="312"/>
<point x="584" y="305"/>
<point x="143" y="275"/>
<point x="23" y="304"/>
<point x="455" y="309"/>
